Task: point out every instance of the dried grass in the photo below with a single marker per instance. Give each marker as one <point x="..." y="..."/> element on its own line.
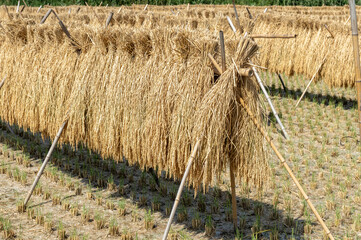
<point x="146" y="95"/>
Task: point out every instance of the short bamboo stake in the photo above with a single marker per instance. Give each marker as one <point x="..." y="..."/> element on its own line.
<point x="2" y="82"/>
<point x="249" y="13"/>
<point x="45" y="16"/>
<point x="223" y="51"/>
<point x="39" y="8"/>
<point x="309" y="83"/>
<point x="237" y="18"/>
<point x="109" y="19"/>
<point x="7" y="12"/>
<point x="272" y="36"/>
<point x="145" y="8"/>
<point x="356" y="55"/>
<point x="47" y="158"/>
<point x="329" y="31"/>
<point x="234" y="201"/>
<point x="180" y="189"/>
<point x="18" y="6"/>
<point x="231" y="25"/>
<point x="270" y="103"/>
<point x="284" y="163"/>
<point x="283" y="84"/>
<point x="22" y="9"/>
<point x="218" y="68"/>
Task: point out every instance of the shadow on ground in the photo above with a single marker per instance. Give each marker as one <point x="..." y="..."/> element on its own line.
<point x="255" y="218"/>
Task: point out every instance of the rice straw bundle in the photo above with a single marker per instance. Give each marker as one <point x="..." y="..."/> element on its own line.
<point x="146" y="95"/>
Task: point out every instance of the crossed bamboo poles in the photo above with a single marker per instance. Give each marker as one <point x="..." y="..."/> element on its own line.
<point x="262" y="131"/>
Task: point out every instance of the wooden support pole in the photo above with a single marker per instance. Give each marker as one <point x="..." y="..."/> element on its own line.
<point x="282" y="82"/>
<point x="17" y="7"/>
<point x="234" y="201"/>
<point x="272" y="36"/>
<point x="309" y="83"/>
<point x="231" y="175"/>
<point x="285" y="165"/>
<point x="215" y="64"/>
<point x="223" y="51"/>
<point x="325" y="25"/>
<point x="2" y="82"/>
<point x="46" y="16"/>
<point x="231" y="25"/>
<point x="270" y="103"/>
<point x="109" y="19"/>
<point x="7" y="12"/>
<point x="22" y="9"/>
<point x="47" y="158"/>
<point x="180" y="189"/>
<point x="356" y="55"/>
<point x="237" y="18"/>
<point x="249" y="13"/>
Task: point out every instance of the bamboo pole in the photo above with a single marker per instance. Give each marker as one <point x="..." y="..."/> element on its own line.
<point x="223" y="51"/>
<point x="2" y="82"/>
<point x="218" y="68"/>
<point x="109" y="19"/>
<point x="22" y="9"/>
<point x="231" y="175"/>
<point x="270" y="103"/>
<point x="231" y="25"/>
<point x="234" y="201"/>
<point x="17" y="7"/>
<point x="283" y="84"/>
<point x="356" y="55"/>
<point x="325" y="25"/>
<point x="7" y="12"/>
<point x="309" y="83"/>
<point x="283" y="161"/>
<point x="180" y="189"/>
<point x="237" y="18"/>
<point x="272" y="36"/>
<point x="47" y="158"/>
<point x="45" y="16"/>
<point x="39" y="8"/>
<point x="249" y="13"/>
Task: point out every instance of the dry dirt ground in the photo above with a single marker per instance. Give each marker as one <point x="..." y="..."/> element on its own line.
<point x="81" y="196"/>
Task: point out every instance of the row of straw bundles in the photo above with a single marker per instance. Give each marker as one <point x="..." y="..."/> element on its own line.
<point x="304" y="54"/>
<point x="145" y="95"/>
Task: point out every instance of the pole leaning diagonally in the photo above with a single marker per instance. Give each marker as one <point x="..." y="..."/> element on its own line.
<point x="180" y="189"/>
<point x="47" y="158"/>
<point x="270" y="102"/>
<point x="285" y="165"/>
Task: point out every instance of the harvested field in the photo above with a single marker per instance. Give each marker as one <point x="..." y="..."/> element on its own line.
<point x="138" y="94"/>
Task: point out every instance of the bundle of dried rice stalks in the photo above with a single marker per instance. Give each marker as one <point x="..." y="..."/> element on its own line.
<point x="146" y="95"/>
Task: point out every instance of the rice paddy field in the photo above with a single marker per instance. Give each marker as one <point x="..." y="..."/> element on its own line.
<point x="138" y="90"/>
